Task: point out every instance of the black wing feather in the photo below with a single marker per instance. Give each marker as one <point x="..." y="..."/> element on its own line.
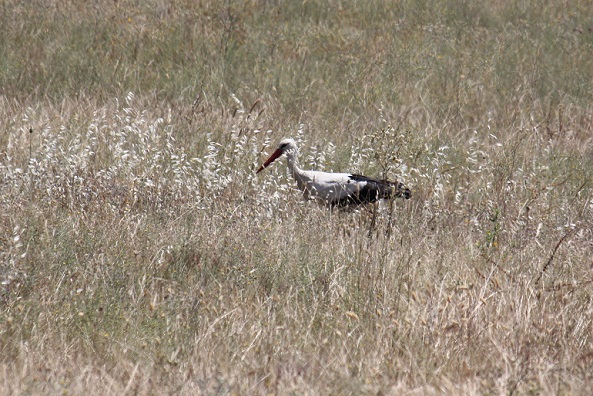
<point x="373" y="190"/>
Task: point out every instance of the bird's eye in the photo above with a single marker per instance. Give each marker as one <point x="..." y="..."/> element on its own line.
<point x="282" y="146"/>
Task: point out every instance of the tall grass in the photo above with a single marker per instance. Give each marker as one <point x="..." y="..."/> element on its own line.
<point x="140" y="253"/>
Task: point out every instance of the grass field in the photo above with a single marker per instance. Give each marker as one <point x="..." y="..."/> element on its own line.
<point x="141" y="254"/>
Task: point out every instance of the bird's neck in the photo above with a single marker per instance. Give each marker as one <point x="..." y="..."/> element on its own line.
<point x="293" y="164"/>
<point x="299" y="175"/>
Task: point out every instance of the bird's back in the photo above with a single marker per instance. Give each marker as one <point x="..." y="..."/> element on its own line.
<point x="342" y="189"/>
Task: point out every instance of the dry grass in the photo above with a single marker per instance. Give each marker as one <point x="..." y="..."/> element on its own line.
<point x="140" y="254"/>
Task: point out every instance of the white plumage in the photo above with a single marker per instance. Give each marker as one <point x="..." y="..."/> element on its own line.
<point x="335" y="189"/>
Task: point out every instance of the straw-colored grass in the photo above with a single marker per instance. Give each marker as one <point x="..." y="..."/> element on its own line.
<point x="141" y="254"/>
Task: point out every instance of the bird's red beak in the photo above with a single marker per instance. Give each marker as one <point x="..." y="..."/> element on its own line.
<point x="272" y="158"/>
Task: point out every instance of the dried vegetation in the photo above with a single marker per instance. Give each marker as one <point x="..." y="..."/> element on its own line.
<point x="140" y="253"/>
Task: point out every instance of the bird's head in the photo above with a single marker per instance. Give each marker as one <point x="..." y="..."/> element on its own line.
<point x="286" y="146"/>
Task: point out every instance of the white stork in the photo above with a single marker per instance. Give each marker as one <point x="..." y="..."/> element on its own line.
<point x="336" y="189"/>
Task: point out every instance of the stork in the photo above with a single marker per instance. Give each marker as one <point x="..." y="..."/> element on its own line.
<point x="336" y="189"/>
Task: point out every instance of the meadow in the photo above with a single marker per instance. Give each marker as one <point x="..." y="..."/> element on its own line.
<point x="141" y="254"/>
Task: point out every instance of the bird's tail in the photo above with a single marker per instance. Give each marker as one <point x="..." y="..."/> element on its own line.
<point x="388" y="190"/>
